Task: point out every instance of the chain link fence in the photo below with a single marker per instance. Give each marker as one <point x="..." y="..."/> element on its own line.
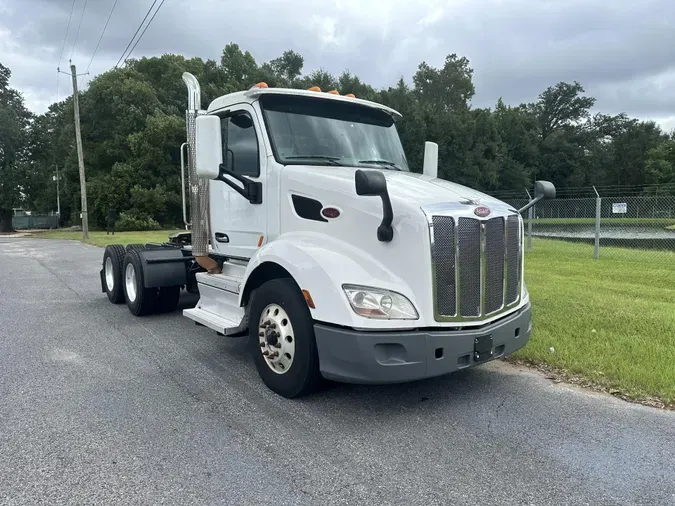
<point x="628" y="227"/>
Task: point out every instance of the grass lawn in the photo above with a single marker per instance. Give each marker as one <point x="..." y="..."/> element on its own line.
<point x="610" y="320"/>
<point x="101" y="239"/>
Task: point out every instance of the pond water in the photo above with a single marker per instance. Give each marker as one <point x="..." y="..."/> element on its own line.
<point x="632" y="237"/>
<point x="606" y="232"/>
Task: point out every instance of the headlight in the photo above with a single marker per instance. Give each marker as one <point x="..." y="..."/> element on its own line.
<point x="378" y="303"/>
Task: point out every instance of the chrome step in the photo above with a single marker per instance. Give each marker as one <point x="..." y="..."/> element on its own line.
<point x="213" y="321"/>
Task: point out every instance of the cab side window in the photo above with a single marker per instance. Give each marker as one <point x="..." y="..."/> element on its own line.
<point x="240" y="144"/>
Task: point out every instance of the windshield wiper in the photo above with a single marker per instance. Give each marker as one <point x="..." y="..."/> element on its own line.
<point x="382" y="162"/>
<point x="333" y="159"/>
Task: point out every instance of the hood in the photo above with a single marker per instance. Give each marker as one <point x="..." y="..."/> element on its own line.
<point x="431" y="190"/>
<point x="407" y="186"/>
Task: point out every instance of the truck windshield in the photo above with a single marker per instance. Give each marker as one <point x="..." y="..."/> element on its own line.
<point x="328" y="132"/>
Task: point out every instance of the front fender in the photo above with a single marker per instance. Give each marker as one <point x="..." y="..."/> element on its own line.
<point x="321" y="264"/>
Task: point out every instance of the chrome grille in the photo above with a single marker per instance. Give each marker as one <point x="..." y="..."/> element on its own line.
<point x="477" y="265"/>
<point x="513" y="245"/>
<point x="444" y="251"/>
<point x="468" y="247"/>
<point x="495" y="247"/>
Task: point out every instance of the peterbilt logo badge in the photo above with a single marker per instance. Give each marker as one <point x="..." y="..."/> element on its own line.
<point x="482" y="211"/>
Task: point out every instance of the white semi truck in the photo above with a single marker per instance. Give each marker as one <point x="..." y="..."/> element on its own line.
<point x="308" y="234"/>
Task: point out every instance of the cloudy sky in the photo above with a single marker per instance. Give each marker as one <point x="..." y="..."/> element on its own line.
<point x="622" y="51"/>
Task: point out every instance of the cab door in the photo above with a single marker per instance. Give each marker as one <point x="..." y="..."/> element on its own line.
<point x="236" y="224"/>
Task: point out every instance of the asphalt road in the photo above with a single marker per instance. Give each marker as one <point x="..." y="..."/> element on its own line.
<point x="100" y="407"/>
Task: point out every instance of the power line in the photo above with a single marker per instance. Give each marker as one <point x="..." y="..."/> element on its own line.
<point x="84" y="8"/>
<point x="137" y="30"/>
<point x="100" y="38"/>
<point x="65" y="37"/>
<point x="143" y="32"/>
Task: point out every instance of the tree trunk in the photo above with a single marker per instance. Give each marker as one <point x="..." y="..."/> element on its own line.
<point x="5" y="220"/>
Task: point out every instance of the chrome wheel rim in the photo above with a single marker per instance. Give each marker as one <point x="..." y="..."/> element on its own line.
<point x="276" y="338"/>
<point x="109" y="277"/>
<point x="130" y="282"/>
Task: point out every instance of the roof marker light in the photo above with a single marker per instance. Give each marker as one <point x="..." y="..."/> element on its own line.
<point x="334" y="92"/>
<point x="314" y="88"/>
<point x="260" y="85"/>
<point x="350" y="95"/>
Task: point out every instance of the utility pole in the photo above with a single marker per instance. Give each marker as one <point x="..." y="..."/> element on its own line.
<point x="58" y="194"/>
<point x="80" y="156"/>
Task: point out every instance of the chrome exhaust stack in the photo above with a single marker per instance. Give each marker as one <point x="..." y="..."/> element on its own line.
<point x="198" y="187"/>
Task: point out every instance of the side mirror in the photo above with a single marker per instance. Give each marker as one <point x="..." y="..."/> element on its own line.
<point x="430" y="167"/>
<point x="372" y="183"/>
<point x="542" y="190"/>
<point x="208" y="146"/>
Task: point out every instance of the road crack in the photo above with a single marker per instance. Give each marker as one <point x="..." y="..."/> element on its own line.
<point x="496" y="413"/>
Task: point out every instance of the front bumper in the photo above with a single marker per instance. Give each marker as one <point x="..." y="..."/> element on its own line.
<point x="394" y="357"/>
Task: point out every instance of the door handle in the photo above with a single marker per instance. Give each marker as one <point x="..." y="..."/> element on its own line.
<point x="221" y="237"/>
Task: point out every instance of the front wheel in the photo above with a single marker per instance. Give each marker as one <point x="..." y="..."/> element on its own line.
<point x="282" y="339"/>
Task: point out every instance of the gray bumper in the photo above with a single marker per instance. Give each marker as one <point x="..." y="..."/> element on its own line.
<point x="394" y="357"/>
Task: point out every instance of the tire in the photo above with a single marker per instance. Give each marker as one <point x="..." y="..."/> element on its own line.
<point x="300" y="375"/>
<point x="141" y="301"/>
<point x="167" y="299"/>
<point x="113" y="263"/>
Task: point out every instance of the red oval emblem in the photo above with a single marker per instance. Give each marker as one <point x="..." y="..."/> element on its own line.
<point x="330" y="212"/>
<point x="482" y="211"/>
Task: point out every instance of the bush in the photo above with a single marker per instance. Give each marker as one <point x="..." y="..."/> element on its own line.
<point x="133" y="221"/>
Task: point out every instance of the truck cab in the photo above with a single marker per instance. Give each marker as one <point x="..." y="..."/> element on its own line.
<point x="312" y="237"/>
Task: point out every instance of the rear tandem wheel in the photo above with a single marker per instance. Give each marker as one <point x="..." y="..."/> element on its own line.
<point x="113" y="260"/>
<point x="142" y="301"/>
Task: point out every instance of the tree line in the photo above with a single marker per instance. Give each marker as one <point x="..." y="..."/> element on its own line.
<point x="132" y="121"/>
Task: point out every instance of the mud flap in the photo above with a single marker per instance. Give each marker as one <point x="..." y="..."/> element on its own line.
<point x="164" y="267"/>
